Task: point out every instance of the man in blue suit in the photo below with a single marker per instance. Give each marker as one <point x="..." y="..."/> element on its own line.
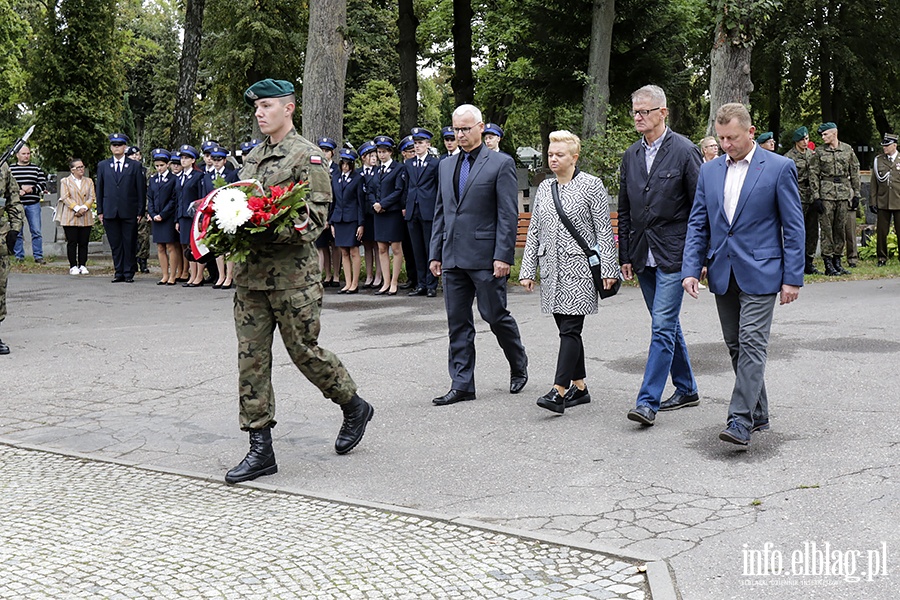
<point x="473" y="245"/>
<point x="421" y="192"/>
<point x="746" y="226"/>
<point x="121" y="202"/>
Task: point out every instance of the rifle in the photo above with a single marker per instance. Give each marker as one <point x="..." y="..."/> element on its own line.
<point x="17" y="145"/>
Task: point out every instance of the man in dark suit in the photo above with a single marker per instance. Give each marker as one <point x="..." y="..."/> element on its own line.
<point x="656" y="190"/>
<point x="747" y="226"/>
<point x="121" y="202"/>
<point x="473" y="245"/>
<point x="421" y="191"/>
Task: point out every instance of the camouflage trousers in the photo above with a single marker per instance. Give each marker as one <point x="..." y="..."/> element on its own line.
<point x="296" y="313"/>
<point x="833" y="222"/>
<point x="4" y="277"/>
<point x="143" y="239"/>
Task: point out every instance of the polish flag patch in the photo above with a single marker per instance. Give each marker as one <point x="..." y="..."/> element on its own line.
<point x="315" y="160"/>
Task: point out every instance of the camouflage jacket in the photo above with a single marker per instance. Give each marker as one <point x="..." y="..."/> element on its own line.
<point x="803" y="161"/>
<point x="11" y="212"/>
<point x="836" y="173"/>
<point x="288" y="260"/>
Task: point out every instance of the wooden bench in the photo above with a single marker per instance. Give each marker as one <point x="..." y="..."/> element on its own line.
<point x="525" y="220"/>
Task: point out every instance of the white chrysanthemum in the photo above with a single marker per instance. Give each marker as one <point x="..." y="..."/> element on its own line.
<point x="231" y="210"/>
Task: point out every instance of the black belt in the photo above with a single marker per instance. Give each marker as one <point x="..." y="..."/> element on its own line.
<point x="838" y="179"/>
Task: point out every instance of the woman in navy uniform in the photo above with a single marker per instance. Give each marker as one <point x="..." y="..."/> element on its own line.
<point x="218" y="155"/>
<point x="369" y="171"/>
<point x="161" y="205"/>
<point x="329" y="257"/>
<point x="188" y="189"/>
<point x="347" y="218"/>
<point x="176" y="170"/>
<point x="389" y="223"/>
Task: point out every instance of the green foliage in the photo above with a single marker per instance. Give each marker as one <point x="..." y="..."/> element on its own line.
<point x="869" y="251"/>
<point x="601" y="155"/>
<point x="430" y="97"/>
<point x="743" y="20"/>
<point x="373" y="110"/>
<point x="372" y="25"/>
<point x="14" y="32"/>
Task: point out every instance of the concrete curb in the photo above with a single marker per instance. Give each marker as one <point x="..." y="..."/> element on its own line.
<point x="660" y="579"/>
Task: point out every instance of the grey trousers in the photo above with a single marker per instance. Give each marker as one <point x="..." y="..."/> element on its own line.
<point x="746" y="320"/>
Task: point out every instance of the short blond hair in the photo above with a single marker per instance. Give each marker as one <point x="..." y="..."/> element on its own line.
<point x="731" y="111"/>
<point x="567" y="137"/>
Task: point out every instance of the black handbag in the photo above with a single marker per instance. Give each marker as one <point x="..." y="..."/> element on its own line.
<point x="592" y="254"/>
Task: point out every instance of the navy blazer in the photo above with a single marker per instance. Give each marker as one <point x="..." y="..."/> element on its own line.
<point x="161" y="199"/>
<point x="209" y="183"/>
<point x="764" y="243"/>
<point x="391" y="186"/>
<point x="472" y="231"/>
<point x="654" y="208"/>
<point x="188" y="189"/>
<point x="121" y="195"/>
<point x="421" y="186"/>
<point x="348" y="205"/>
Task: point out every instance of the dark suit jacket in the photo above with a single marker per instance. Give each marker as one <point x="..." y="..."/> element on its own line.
<point x="349" y="200"/>
<point x="188" y="191"/>
<point x="121" y="195"/>
<point x="764" y="244"/>
<point x="161" y="196"/>
<point x="391" y="185"/>
<point x="209" y="183"/>
<point x="421" y="187"/>
<point x="473" y="231"/>
<point x="654" y="208"/>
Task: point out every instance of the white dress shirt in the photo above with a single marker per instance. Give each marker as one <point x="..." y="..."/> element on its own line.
<point x="734" y="181"/>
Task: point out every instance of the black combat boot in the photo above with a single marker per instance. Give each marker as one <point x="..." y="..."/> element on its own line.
<point x="836" y="261"/>
<point x="357" y="414"/>
<point x="810" y="268"/>
<point x="142" y="265"/>
<point x="260" y="460"/>
<point x="829" y="266"/>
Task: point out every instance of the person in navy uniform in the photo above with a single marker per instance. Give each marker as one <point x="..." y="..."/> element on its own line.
<point x="161" y="205"/>
<point x="421" y="191"/>
<point x="121" y="202"/>
<point x="407" y="151"/>
<point x="188" y="189"/>
<point x="369" y="172"/>
<point x="329" y="257"/>
<point x="176" y="171"/>
<point x="205" y="149"/>
<point x="347" y="218"/>
<point x="389" y="225"/>
<point x="450" y="143"/>
<point x="218" y="155"/>
<point x="493" y="133"/>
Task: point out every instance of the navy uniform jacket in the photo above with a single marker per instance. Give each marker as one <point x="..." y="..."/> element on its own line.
<point x="121" y="195"/>
<point x="161" y="196"/>
<point x="348" y="205"/>
<point x="188" y="189"/>
<point x="421" y="187"/>
<point x="391" y="185"/>
<point x="371" y="183"/>
<point x="209" y="180"/>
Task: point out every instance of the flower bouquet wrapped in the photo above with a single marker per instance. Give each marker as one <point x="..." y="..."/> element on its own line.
<point x="229" y="217"/>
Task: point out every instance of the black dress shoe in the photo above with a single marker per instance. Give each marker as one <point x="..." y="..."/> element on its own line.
<point x="182" y="279"/>
<point x="405" y="286"/>
<point x="418" y="292"/>
<point x="517" y="381"/>
<point x="735" y="433"/>
<point x="553" y="402"/>
<point x="129" y="280"/>
<point x="431" y="293"/>
<point x="118" y="280"/>
<point x="190" y="285"/>
<point x="394" y="293"/>
<point x="381" y="292"/>
<point x="216" y="286"/>
<point x="4" y="349"/>
<point x="677" y="401"/>
<point x="342" y="291"/>
<point x="576" y="397"/>
<point x="353" y="291"/>
<point x="643" y="415"/>
<point x="357" y="414"/>
<point x="161" y="283"/>
<point x="452" y="397"/>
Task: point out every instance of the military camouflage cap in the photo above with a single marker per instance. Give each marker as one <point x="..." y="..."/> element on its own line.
<point x="268" y="88"/>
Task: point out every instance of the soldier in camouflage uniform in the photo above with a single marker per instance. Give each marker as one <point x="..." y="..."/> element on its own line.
<point x="803" y="158"/>
<point x="835" y="181"/>
<point x="12" y="216"/>
<point x="280" y="285"/>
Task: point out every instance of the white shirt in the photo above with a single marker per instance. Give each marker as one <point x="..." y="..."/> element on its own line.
<point x="734" y="181"/>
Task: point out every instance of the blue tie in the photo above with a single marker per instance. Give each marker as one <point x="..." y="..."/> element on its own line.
<point x="463" y="173"/>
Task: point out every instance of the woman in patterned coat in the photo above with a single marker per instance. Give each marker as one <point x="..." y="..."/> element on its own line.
<point x="74" y="211"/>
<point x="567" y="288"/>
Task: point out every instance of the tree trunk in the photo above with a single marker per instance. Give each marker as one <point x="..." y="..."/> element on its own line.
<point x="824" y="68"/>
<point x="596" y="90"/>
<point x="187" y="73"/>
<point x="729" y="79"/>
<point x="462" y="82"/>
<point x="881" y="121"/>
<point x="327" y="54"/>
<point x="408" y="49"/>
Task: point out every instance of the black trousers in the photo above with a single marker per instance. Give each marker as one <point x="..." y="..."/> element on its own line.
<point x="122" y="236"/>
<point x="77" y="239"/>
<point x="420" y="239"/>
<point x="570" y="362"/>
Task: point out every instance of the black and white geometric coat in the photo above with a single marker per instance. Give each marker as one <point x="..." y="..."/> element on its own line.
<point x="566" y="284"/>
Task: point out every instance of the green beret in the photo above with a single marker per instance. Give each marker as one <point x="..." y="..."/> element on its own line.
<point x="268" y="88"/>
<point x="799" y="133"/>
<point x="764" y="137"/>
<point x="826" y="126"/>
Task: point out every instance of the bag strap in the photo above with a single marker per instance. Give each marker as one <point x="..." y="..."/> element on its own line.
<point x="565" y="221"/>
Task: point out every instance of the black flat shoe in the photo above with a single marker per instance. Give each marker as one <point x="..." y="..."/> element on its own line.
<point x="170" y="283"/>
<point x="381" y="292"/>
<point x="216" y="286"/>
<point x="576" y="397"/>
<point x="227" y="287"/>
<point x="356" y="291"/>
<point x="394" y="293"/>
<point x="342" y="291"/>
<point x="161" y="283"/>
<point x="452" y="397"/>
<point x="553" y="402"/>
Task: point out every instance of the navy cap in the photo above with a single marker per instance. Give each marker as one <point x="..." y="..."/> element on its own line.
<point x="188" y="150"/>
<point x="889" y="138"/>
<point x="383" y="141"/>
<point x="407" y="143"/>
<point x="324" y="142"/>
<point x="218" y="152"/>
<point x="826" y="126"/>
<point x="255" y="142"/>
<point x="348" y="155"/>
<point x="268" y="88"/>
<point x="118" y="138"/>
<point x="799" y="133"/>
<point x="132" y="150"/>
<point x="160" y="154"/>
<point x="246" y="147"/>
<point x="493" y="128"/>
<point x="208" y="145"/>
<point x="174" y="158"/>
<point x="420" y="133"/>
<point x="366" y="147"/>
<point x="447" y="132"/>
<point x="764" y="137"/>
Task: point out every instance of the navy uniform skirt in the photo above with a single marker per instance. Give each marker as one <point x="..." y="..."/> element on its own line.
<point x="389" y="226"/>
<point x="345" y="235"/>
<point x="164" y="232"/>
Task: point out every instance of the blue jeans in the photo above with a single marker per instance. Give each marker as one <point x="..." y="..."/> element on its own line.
<point x="668" y="353"/>
<point x="33" y="216"/>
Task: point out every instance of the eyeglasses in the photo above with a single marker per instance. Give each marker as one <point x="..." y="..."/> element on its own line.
<point x="464" y="130"/>
<point x="644" y="112"/>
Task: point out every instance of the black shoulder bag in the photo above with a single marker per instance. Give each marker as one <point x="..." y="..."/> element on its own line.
<point x="592" y="254"/>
